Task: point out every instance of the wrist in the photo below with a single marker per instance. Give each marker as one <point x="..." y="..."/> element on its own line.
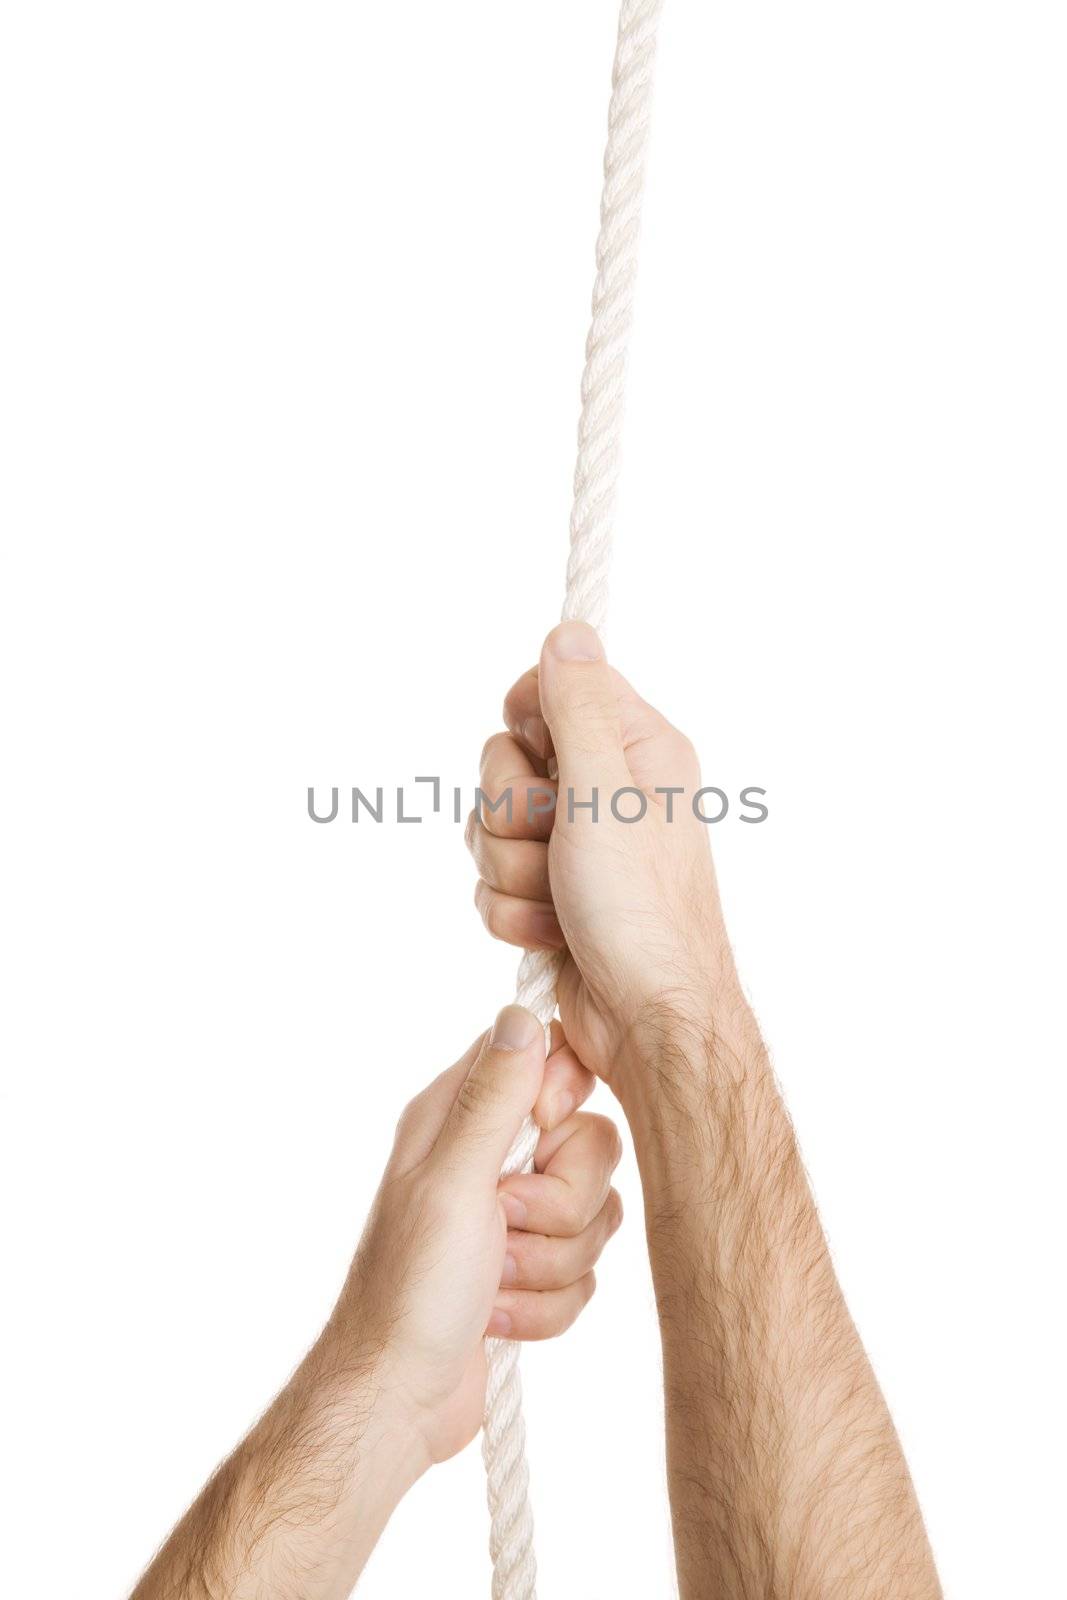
<point x="686" y="1041"/>
<point x="716" y="1150"/>
<point x="349" y="1382"/>
<point x="298" y="1507"/>
<point x="693" y="1077"/>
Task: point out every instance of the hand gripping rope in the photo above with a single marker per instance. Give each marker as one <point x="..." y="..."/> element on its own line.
<point x="595" y="476"/>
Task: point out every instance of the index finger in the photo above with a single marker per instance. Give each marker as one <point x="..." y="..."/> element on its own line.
<point x="572" y="1175"/>
<point x="565" y="1086"/>
<point x="523" y="719"/>
<point x="518" y="802"/>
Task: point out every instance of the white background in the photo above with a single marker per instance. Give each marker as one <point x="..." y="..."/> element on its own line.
<point x="293" y="306"/>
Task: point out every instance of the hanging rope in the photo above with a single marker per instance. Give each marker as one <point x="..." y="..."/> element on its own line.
<point x="595" y="477"/>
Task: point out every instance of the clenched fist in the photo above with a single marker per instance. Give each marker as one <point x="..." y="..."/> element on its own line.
<point x="600" y="855"/>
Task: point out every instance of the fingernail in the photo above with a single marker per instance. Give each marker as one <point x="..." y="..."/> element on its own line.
<point x="499" y="1325"/>
<point x="514" y="1029"/>
<point x="562" y="1106"/>
<point x="514" y="1210"/>
<point x="575" y="641"/>
<point x="510" y="1271"/>
<point x="533" y="733"/>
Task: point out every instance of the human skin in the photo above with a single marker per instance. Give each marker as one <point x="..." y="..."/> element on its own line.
<point x="786" y="1476"/>
<point x="397" y="1379"/>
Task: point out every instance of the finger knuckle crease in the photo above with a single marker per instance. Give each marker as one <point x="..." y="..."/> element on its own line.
<point x="475" y="1095"/>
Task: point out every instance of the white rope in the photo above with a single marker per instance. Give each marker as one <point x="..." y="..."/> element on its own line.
<point x="595" y="476"/>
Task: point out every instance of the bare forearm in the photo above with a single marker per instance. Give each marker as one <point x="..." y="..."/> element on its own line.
<point x="398" y="1380"/>
<point x="296" y="1510"/>
<point x="786" y="1475"/>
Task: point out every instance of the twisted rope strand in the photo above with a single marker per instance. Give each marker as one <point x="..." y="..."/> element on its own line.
<point x="595" y="476"/>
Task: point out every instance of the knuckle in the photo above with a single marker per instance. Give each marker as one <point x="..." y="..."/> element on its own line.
<point x="503" y="867"/>
<point x="557" y="1316"/>
<point x="615" y="1210"/>
<point x="555" y="1264"/>
<point x="592" y="1245"/>
<point x="587" y="739"/>
<point x="479" y="846"/>
<point x="570" y="1220"/>
<point x="588" y="703"/>
<point x="684" y="748"/>
<point x="498" y="810"/>
<point x="490" y="745"/>
<point x="591" y="722"/>
<point x="539" y="1261"/>
<point x="490" y="907"/>
<point x="607" y="1137"/>
<point x="404" y="1124"/>
<point x="570" y="1305"/>
<point x="475" y="1096"/>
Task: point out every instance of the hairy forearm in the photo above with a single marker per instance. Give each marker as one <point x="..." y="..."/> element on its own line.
<point x="295" y="1511"/>
<point x="786" y="1476"/>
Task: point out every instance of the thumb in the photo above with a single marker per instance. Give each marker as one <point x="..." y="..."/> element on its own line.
<point x="581" y="706"/>
<point x="497" y="1093"/>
